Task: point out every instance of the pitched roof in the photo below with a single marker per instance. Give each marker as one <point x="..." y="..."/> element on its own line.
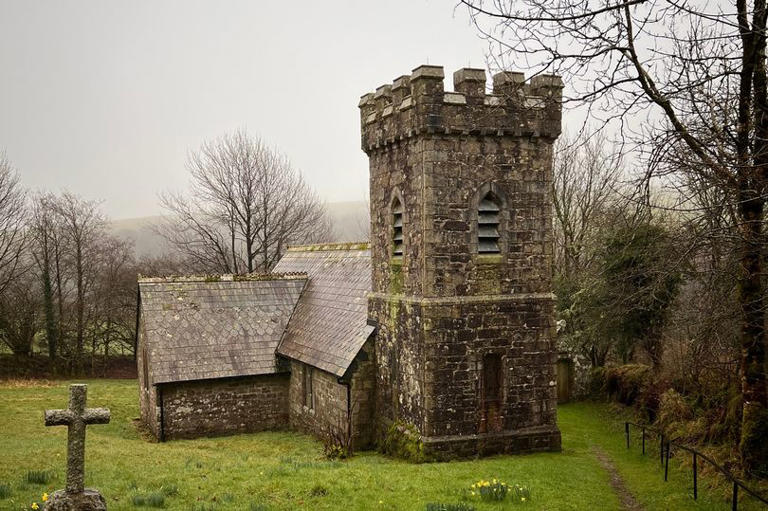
<point x="329" y="327"/>
<point x="215" y="327"/>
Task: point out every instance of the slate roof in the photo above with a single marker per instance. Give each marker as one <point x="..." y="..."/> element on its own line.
<point x="329" y="327"/>
<point x="209" y="327"/>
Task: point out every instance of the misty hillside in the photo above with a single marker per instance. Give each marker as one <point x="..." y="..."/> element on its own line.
<point x="349" y="220"/>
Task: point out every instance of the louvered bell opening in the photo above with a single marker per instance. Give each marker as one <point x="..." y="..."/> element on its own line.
<point x="488" y="217"/>
<point x="488" y="246"/>
<point x="397" y="236"/>
<point x="488" y="231"/>
<point x="488" y="227"/>
<point x="487" y="205"/>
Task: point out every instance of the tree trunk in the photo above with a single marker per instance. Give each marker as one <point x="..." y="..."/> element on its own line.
<point x="751" y="184"/>
<point x="754" y="426"/>
<point x="80" y="334"/>
<point x="50" y="319"/>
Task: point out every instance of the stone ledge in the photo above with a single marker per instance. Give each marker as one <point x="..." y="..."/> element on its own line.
<point x="458" y="300"/>
<point x="533" y="439"/>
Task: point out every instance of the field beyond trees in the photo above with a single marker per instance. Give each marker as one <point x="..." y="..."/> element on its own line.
<point x="285" y="470"/>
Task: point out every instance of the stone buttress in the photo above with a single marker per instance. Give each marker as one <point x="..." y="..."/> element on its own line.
<point x="461" y="241"/>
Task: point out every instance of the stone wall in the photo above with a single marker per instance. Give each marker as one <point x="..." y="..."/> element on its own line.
<point x="148" y="402"/>
<point x="225" y="406"/>
<point x="363" y="385"/>
<point x="326" y="409"/>
<point x="431" y="353"/>
<point x="443" y="308"/>
<point x="329" y="407"/>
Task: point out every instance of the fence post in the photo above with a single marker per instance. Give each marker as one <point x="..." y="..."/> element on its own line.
<point x="666" y="465"/>
<point x="695" y="477"/>
<point x="626" y="432"/>
<point x="643" y="430"/>
<point x="735" y="501"/>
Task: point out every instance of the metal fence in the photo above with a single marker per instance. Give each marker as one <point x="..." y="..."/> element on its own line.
<point x="665" y="444"/>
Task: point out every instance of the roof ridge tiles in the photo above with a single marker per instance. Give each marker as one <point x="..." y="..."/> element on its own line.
<point x="354" y="245"/>
<point x="225" y="277"/>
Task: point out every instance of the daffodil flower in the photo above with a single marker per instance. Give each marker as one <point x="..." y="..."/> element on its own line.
<point x="34" y="506"/>
<point x="45" y="497"/>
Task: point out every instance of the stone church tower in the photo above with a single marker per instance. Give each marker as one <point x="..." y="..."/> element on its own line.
<point x="461" y="243"/>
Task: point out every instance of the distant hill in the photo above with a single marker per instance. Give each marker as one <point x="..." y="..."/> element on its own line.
<point x="139" y="231"/>
<point x="349" y="220"/>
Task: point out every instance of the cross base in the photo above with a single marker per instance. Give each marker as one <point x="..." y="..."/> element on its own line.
<point x="88" y="500"/>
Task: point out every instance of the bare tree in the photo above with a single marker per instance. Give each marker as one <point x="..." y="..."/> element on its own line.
<point x="19" y="312"/>
<point x="82" y="227"/>
<point x="586" y="173"/>
<point x="697" y="73"/>
<point x="114" y="298"/>
<point x="46" y="251"/>
<point x="12" y="224"/>
<point x="245" y="206"/>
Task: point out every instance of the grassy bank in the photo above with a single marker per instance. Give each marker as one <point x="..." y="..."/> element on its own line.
<point x="283" y="470"/>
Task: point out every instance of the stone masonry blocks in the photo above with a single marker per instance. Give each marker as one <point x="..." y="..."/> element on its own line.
<point x="443" y="310"/>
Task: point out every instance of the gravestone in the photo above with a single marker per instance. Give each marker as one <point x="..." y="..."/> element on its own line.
<point x="76" y="417"/>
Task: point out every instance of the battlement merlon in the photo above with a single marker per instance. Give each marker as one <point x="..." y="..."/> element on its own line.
<point x="418" y="103"/>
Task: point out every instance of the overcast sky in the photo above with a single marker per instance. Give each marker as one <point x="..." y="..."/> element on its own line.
<point x="105" y="98"/>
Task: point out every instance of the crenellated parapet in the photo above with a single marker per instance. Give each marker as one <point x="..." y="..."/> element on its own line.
<point x="418" y="103"/>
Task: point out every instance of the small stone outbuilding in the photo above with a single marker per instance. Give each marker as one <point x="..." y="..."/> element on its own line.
<point x="224" y="354"/>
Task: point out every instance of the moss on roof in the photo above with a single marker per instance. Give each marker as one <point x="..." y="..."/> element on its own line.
<point x="354" y="245"/>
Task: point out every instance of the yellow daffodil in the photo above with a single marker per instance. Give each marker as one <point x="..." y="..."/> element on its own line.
<point x="45" y="497"/>
<point x="381" y="502"/>
<point x="522" y="499"/>
<point x="34" y="506"/>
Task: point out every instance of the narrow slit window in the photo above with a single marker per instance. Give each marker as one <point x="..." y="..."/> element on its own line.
<point x="488" y="237"/>
<point x="397" y="228"/>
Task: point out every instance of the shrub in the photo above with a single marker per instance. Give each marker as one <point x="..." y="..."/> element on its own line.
<point x="403" y="441"/>
<point x="597" y="382"/>
<point x="673" y="409"/>
<point x="635" y="385"/>
<point x="5" y="490"/>
<point x="461" y="506"/>
<point x="151" y="500"/>
<point x="337" y="443"/>
<point x="626" y="383"/>
<point x="39" y="476"/>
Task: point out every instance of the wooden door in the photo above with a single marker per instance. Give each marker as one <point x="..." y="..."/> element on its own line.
<point x="492" y="393"/>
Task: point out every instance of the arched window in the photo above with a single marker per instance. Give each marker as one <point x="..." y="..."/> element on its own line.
<point x="397" y="227"/>
<point x="488" y="219"/>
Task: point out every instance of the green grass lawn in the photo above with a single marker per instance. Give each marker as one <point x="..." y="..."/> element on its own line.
<point x="282" y="470"/>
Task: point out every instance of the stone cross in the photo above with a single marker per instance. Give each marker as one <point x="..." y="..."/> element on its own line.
<point x="76" y="417"/>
